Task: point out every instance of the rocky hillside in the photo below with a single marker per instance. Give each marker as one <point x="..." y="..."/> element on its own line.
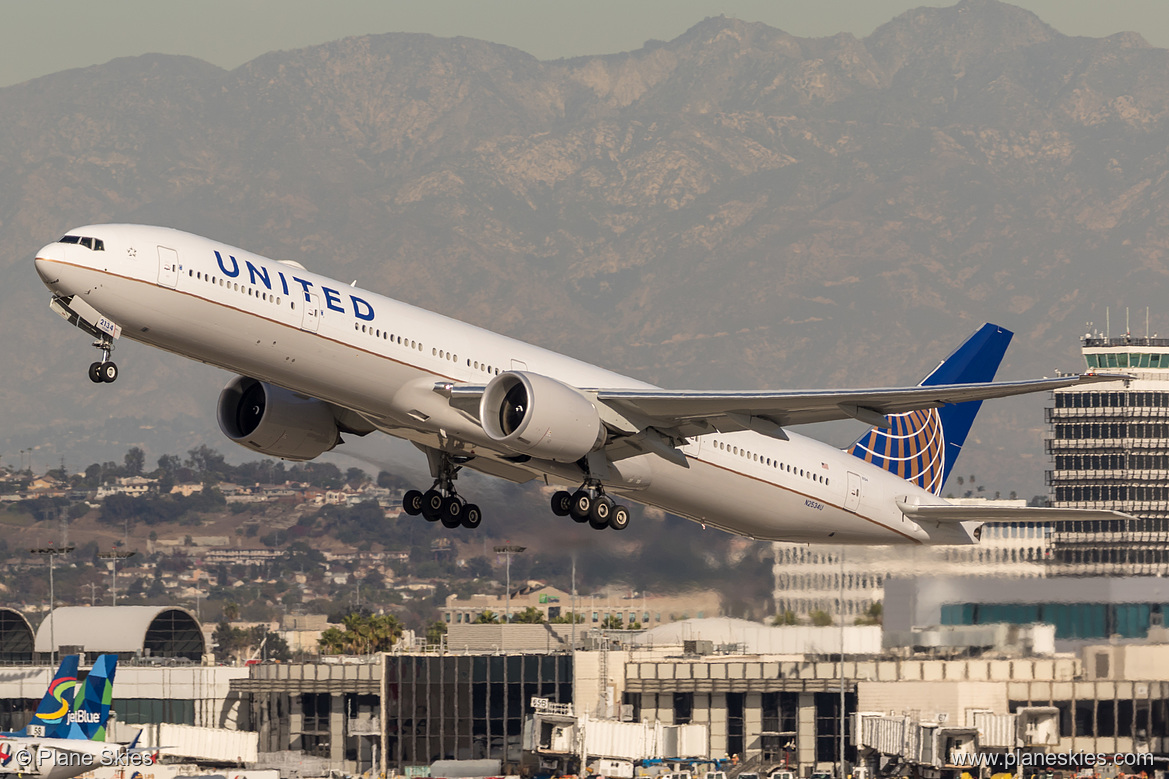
<point x="737" y="207"/>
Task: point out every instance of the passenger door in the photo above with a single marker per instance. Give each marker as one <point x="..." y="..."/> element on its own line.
<point x="168" y="267"/>
<point x="852" y="500"/>
<point x="312" y="313"/>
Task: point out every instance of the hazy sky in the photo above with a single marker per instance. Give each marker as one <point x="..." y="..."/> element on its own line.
<point x="45" y="36"/>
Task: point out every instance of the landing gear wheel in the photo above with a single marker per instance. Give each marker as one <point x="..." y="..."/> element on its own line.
<point x="582" y="502"/>
<point x="471" y="516"/>
<point x="562" y="503"/>
<point x="452" y="511"/>
<point x="412" y="502"/>
<point x="108" y="372"/>
<point x="599" y="513"/>
<point x="432" y="505"/>
<point x="619" y="519"/>
<point x="95" y="373"/>
<point x="602" y="508"/>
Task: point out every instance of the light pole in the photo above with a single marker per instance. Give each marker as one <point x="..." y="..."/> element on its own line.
<point x="840" y="609"/>
<point x="508" y="550"/>
<point x="51" y="552"/>
<point x="113" y="558"/>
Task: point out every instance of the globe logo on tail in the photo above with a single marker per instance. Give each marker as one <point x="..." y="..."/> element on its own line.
<point x="913" y="447"/>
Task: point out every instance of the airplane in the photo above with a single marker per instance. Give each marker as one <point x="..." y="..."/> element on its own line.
<point x="77" y="743"/>
<point x="54" y="707"/>
<point x="318" y="359"/>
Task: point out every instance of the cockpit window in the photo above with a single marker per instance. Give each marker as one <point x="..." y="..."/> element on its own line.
<point x="96" y="244"/>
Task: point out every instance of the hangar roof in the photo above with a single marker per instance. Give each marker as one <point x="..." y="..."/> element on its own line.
<point x="157" y="631"/>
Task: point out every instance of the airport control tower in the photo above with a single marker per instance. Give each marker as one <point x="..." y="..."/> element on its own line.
<point x="1110" y="450"/>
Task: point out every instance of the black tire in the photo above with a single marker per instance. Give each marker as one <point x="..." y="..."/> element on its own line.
<point x="95" y="373"/>
<point x="412" y="502"/>
<point x="452" y="509"/>
<point x="109" y="372"/>
<point x="562" y="503"/>
<point x="471" y="516"/>
<point x="619" y="519"/>
<point x="582" y="502"/>
<point x="432" y="505"/>
<point x="451" y="523"/>
<point x="601" y="510"/>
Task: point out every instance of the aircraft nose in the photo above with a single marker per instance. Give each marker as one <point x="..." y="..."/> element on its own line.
<point x="48" y="262"/>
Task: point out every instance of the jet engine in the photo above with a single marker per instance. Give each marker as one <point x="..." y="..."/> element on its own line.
<point x="534" y="415"/>
<point x="275" y="421"/>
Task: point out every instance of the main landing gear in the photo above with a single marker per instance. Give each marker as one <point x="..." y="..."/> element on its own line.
<point x="105" y="371"/>
<point x="591" y="504"/>
<point x="441" y="503"/>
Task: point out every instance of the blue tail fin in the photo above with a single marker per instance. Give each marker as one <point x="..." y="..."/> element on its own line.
<point x="922" y="446"/>
<point x="52" y="712"/>
<point x="91" y="709"/>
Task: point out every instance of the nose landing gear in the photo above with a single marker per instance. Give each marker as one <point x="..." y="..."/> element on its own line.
<point x="104" y="371"/>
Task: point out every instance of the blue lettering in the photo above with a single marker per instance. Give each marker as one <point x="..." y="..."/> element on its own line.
<point x="306" y="285"/>
<point x="260" y="273"/>
<point x="234" y="265"/>
<point x="358" y="303"/>
<point x="332" y="297"/>
<point x="283" y="283"/>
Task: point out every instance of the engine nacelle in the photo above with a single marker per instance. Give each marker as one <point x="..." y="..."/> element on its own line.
<point x="534" y="415"/>
<point x="275" y="421"/>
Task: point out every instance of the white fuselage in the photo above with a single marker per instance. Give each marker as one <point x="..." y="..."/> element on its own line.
<point x="64" y="758"/>
<point x="381" y="358"/>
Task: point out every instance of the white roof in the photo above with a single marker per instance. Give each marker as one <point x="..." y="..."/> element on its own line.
<point x="100" y="628"/>
<point x="758" y="639"/>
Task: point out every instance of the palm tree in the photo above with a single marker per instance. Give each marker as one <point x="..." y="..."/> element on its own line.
<point x="332" y="642"/>
<point x="486" y="617"/>
<point x="529" y="616"/>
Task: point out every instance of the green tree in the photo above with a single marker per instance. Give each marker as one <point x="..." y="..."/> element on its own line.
<point x="873" y="615"/>
<point x="363" y="634"/>
<point x="785" y="618"/>
<point x="435" y="631"/>
<point x="529" y="616"/>
<point x="567" y="618"/>
<point x="820" y="618"/>
<point x="613" y="622"/>
<point x="486" y="617"/>
<point x="332" y="641"/>
<point x="134" y="460"/>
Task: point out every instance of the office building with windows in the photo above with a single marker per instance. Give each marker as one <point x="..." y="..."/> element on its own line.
<point x="1109" y="447"/>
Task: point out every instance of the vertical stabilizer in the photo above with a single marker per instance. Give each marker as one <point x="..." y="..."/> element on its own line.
<point x="54" y="708"/>
<point x="922" y="446"/>
<point x="91" y="710"/>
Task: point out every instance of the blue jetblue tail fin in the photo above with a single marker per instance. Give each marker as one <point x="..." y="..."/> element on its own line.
<point x="91" y="710"/>
<point x="54" y="708"/>
<point x="922" y="446"/>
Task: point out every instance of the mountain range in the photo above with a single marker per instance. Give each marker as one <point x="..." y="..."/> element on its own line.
<point x="735" y="208"/>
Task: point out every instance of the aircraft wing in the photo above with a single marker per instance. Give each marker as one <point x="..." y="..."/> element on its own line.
<point x="727" y="411"/>
<point x="680" y="413"/>
<point x="945" y="514"/>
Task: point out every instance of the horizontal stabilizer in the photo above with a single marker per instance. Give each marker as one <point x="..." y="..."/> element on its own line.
<point x="946" y="514"/>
